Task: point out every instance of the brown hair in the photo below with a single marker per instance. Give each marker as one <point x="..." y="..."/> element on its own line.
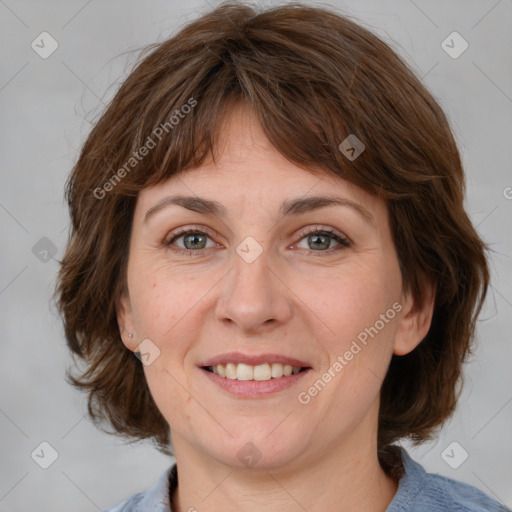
<point x="312" y="77"/>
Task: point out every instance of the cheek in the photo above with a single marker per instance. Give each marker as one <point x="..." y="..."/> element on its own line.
<point x="164" y="309"/>
<point x="172" y="399"/>
<point x="362" y="317"/>
<point x="168" y="310"/>
<point x="356" y="300"/>
<point x="160" y="298"/>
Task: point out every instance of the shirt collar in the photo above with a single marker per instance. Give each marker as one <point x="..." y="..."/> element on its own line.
<point x="157" y="498"/>
<point x="409" y="486"/>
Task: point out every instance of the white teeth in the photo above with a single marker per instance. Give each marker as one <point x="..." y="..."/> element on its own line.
<point x="231" y="371"/>
<point x="266" y="371"/>
<point x="244" y="372"/>
<point x="262" y="372"/>
<point x="277" y="370"/>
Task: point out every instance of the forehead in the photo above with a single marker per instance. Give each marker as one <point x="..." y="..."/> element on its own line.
<point x="248" y="168"/>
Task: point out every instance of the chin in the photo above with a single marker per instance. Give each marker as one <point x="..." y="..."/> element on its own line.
<point x="258" y="452"/>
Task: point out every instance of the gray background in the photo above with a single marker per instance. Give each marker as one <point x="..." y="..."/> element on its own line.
<point x="47" y="106"/>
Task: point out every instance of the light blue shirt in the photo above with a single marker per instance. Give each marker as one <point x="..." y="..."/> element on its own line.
<point x="418" y="491"/>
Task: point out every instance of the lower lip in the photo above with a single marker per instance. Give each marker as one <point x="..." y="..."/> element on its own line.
<point x="255" y="388"/>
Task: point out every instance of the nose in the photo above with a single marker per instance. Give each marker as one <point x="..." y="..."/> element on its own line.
<point x="255" y="297"/>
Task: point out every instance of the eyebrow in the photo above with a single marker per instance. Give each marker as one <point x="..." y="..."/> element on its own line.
<point x="290" y="207"/>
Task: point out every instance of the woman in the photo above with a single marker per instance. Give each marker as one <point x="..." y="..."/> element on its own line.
<point x="269" y="215"/>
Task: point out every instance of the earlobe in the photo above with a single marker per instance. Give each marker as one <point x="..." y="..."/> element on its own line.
<point x="125" y="322"/>
<point x="415" y="321"/>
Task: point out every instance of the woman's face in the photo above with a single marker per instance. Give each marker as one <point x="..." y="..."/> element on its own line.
<point x="253" y="283"/>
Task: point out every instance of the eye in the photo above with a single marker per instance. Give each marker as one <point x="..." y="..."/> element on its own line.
<point x="194" y="240"/>
<point x="320" y="239"/>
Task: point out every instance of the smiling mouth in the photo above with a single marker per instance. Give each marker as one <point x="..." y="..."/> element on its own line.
<point x="261" y="372"/>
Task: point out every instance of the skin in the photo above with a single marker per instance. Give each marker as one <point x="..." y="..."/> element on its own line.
<point x="295" y="299"/>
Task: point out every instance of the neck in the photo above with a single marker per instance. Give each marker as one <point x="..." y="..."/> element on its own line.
<point x="345" y="477"/>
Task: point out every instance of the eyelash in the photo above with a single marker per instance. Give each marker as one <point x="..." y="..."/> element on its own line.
<point x="343" y="241"/>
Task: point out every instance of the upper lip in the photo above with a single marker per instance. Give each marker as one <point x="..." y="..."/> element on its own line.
<point x="254" y="359"/>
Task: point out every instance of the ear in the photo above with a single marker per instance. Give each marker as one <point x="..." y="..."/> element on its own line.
<point x="414" y="321"/>
<point x="125" y="322"/>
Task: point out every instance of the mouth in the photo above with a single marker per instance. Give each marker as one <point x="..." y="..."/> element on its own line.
<point x="244" y="375"/>
<point x="260" y="372"/>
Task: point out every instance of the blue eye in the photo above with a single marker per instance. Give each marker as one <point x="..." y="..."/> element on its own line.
<point x="195" y="241"/>
<point x="321" y="239"/>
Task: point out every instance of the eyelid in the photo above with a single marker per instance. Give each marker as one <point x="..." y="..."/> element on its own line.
<point x="344" y="240"/>
<point x="319" y="228"/>
<point x="187" y="229"/>
<point x="184" y="230"/>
